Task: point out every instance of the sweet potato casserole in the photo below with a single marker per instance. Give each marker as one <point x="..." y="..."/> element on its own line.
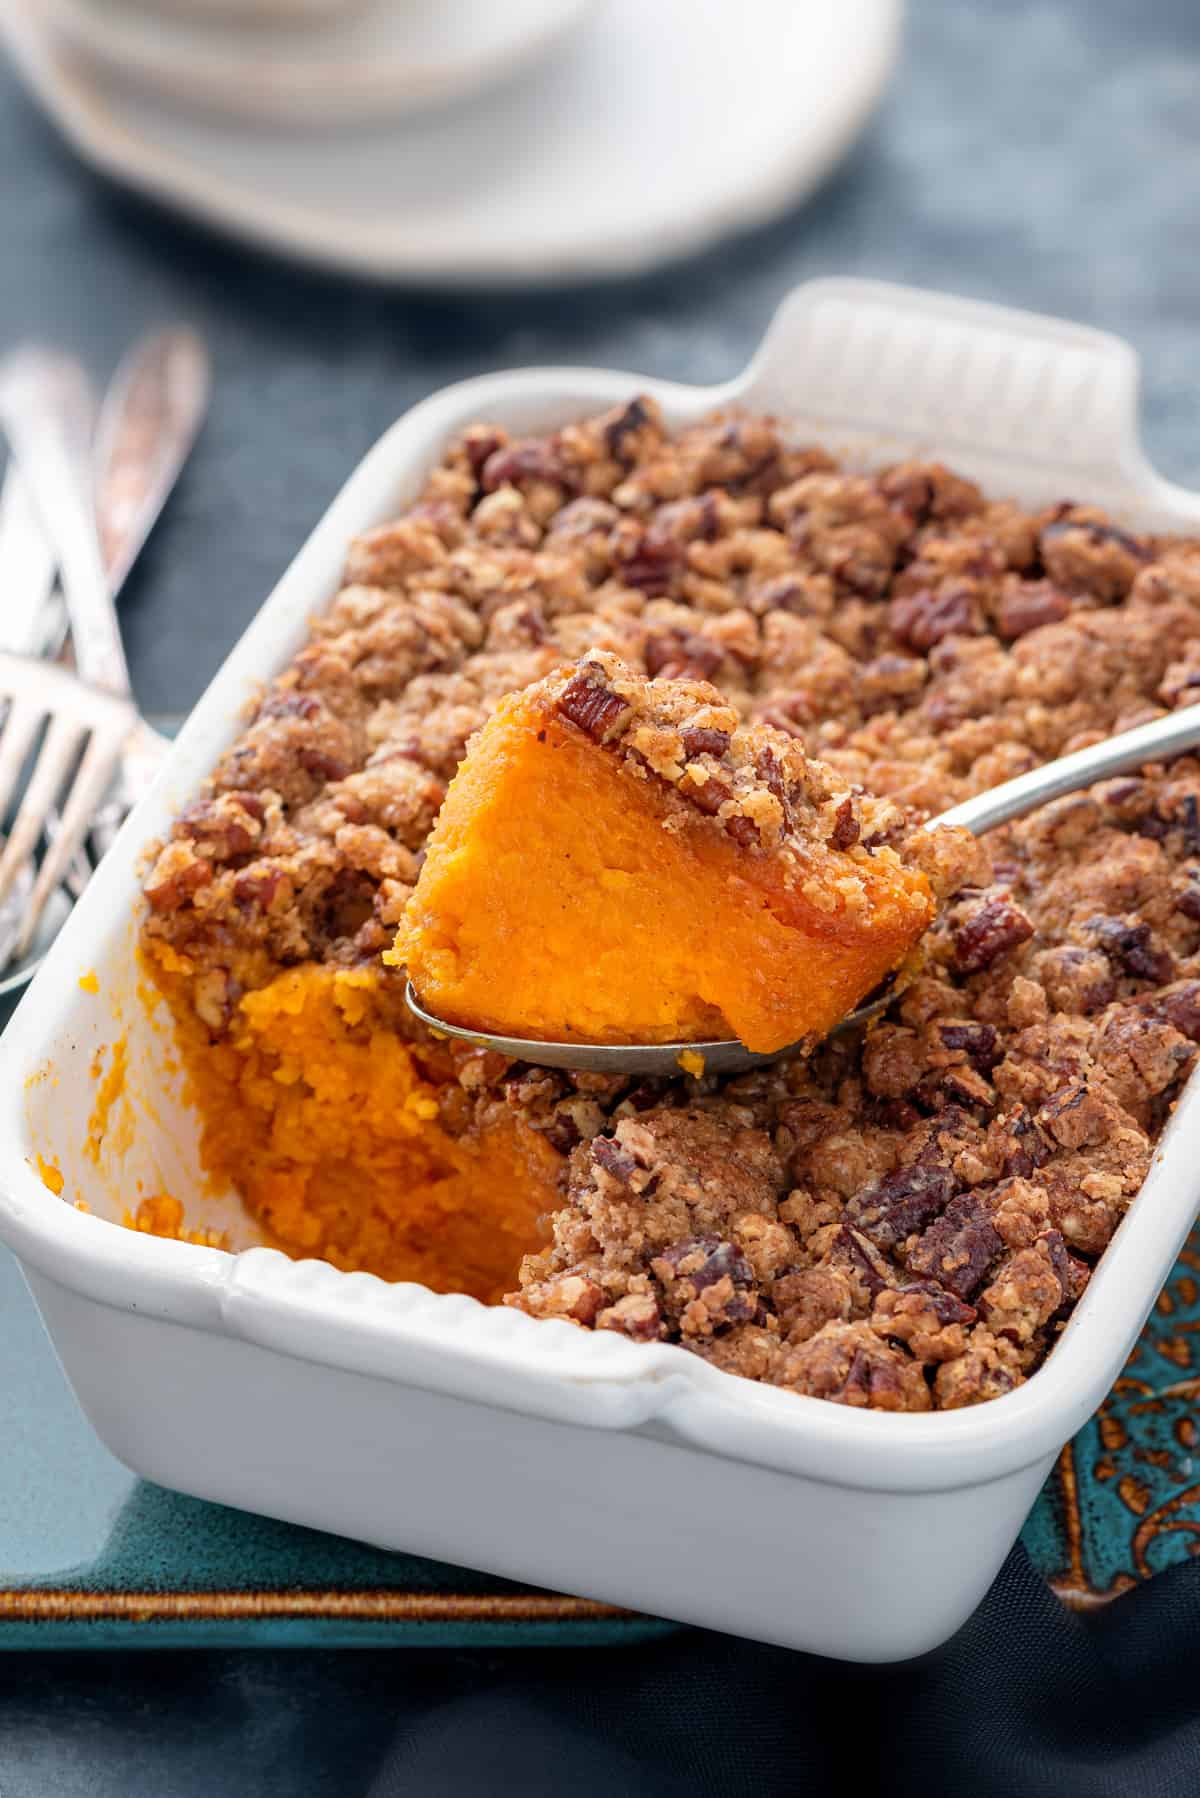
<point x="902" y="1219"/>
<point x="726" y="885"/>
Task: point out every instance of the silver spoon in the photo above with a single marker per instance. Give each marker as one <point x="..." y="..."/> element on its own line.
<point x="1161" y="738"/>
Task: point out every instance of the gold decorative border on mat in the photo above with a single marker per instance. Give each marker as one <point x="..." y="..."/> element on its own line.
<point x="1071" y="1585"/>
<point x="413" y="1607"/>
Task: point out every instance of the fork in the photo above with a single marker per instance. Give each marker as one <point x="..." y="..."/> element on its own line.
<point x="114" y="490"/>
<point x="78" y="733"/>
<point x="30" y="618"/>
<point x="96" y="506"/>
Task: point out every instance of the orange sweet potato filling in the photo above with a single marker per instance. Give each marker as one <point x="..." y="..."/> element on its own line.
<point x="327" y="1123"/>
<point x="554" y="904"/>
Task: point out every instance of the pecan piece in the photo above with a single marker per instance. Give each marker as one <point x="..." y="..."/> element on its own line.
<point x="927" y="1319"/>
<point x="991" y="930"/>
<point x="928" y="490"/>
<point x="1185" y="818"/>
<point x="228" y="825"/>
<point x="479" y="442"/>
<point x="593" y="706"/>
<point x="288" y="703"/>
<point x="571" y="1296"/>
<point x="1073" y="1274"/>
<point x="177" y="874"/>
<point x="959" y="1247"/>
<point x="865" y="1259"/>
<point x="1030" y="1287"/>
<point x="708" y="796"/>
<point x="563" y="1133"/>
<point x="627" y="423"/>
<point x="850" y="1364"/>
<point x="1093" y="557"/>
<point x="921" y="619"/>
<point x="615" y="1160"/>
<point x="845" y="830"/>
<point x="990" y="1367"/>
<point x="1023" y="1145"/>
<point x="682" y="653"/>
<point x="743" y="830"/>
<point x="955" y="1086"/>
<point x="259" y="886"/>
<point x="1025" y="606"/>
<point x="1180" y="1006"/>
<point x="702" y="1261"/>
<point x="902" y="1202"/>
<point x="707" y="1284"/>
<point x="978" y="1042"/>
<point x="532" y="459"/>
<point x="1098" y="534"/>
<point x="636" y="1315"/>
<point x="699" y="740"/>
<point x="1129" y="946"/>
<point x="652" y="566"/>
<point x="1075" y="1116"/>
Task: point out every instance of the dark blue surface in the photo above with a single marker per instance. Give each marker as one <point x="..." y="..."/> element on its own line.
<point x="1044" y="154"/>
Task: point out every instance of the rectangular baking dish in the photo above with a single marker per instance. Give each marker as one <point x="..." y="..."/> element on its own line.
<point x="637" y="1475"/>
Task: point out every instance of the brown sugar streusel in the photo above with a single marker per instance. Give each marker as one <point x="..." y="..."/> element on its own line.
<point x="905" y="1220"/>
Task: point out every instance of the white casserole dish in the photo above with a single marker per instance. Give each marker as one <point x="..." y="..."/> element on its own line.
<point x="638" y="1475"/>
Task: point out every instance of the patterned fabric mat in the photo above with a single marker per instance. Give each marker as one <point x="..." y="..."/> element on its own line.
<point x="1124" y="1499"/>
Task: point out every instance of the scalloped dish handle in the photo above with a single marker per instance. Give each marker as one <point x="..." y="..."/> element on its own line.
<point x="1016" y="399"/>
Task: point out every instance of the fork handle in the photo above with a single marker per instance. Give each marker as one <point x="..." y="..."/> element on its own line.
<point x="1161" y="738"/>
<point x="48" y="409"/>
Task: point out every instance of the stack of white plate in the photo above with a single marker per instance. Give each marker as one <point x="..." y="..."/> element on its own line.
<point x="463" y="141"/>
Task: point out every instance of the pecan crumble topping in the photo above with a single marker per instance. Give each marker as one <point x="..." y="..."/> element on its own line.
<point x="905" y="1220"/>
<point x="758" y="784"/>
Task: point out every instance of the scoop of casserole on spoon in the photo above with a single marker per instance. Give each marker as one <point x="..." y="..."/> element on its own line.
<point x="624" y="879"/>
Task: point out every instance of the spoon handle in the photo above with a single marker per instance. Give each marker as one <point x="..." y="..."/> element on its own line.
<point x="1162" y="737"/>
<point x="148" y="423"/>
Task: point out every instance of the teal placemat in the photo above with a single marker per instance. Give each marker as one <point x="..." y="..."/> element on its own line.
<point x="1124" y="1499"/>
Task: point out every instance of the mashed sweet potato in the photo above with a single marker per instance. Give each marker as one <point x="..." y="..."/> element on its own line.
<point x="322" y="1116"/>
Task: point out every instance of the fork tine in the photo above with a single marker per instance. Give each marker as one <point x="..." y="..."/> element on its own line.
<point x="85" y="731"/>
<point x="19" y="728"/>
<point x="61" y="744"/>
<point x="91" y="782"/>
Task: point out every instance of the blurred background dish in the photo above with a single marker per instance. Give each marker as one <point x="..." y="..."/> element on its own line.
<point x="280" y="11"/>
<point x="294" y="62"/>
<point x="653" y="132"/>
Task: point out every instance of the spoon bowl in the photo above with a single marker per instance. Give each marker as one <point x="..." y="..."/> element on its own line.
<point x="663" y="1059"/>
